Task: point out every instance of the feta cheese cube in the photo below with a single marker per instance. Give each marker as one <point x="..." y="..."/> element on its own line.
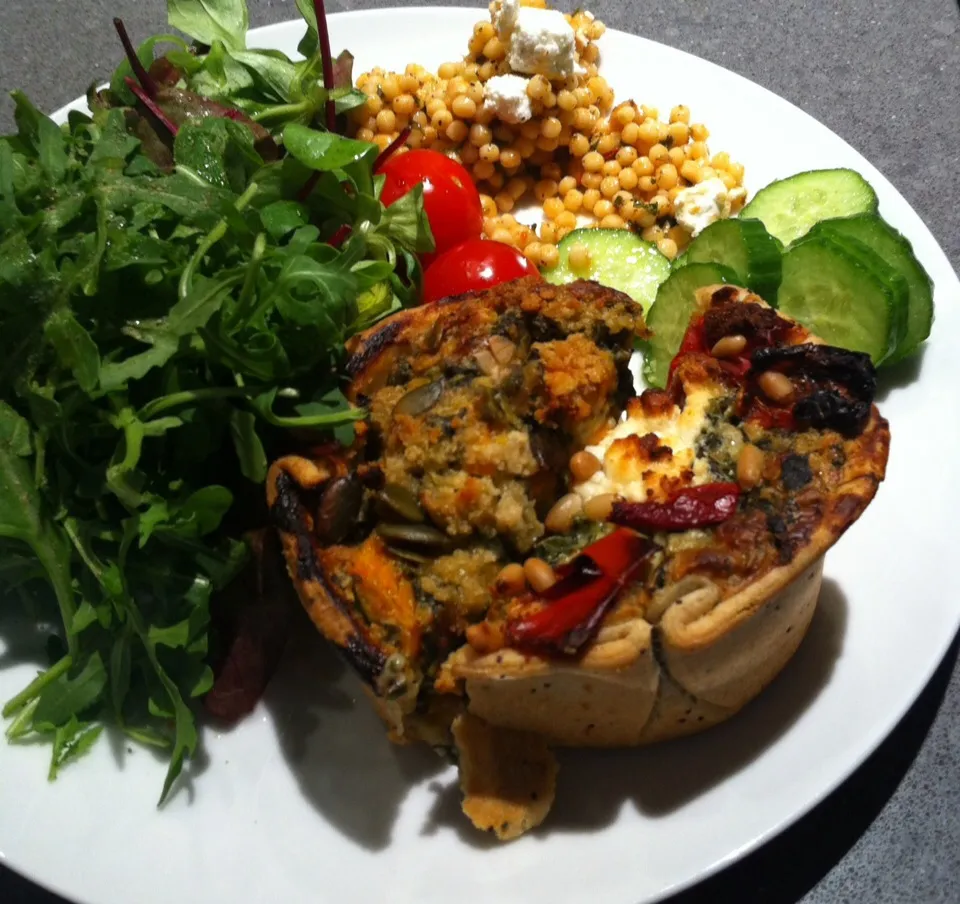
<point x="696" y="207"/>
<point x="507" y="96"/>
<point x="503" y="15"/>
<point x="542" y="42"/>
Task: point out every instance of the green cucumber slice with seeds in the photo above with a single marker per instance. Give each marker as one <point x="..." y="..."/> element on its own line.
<point x="671" y="312"/>
<point x="836" y="293"/>
<point x="618" y="259"/>
<point x="789" y="207"/>
<point x="897" y="252"/>
<point x="747" y="248"/>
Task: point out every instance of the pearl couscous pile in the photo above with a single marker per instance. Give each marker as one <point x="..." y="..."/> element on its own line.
<point x="587" y="161"/>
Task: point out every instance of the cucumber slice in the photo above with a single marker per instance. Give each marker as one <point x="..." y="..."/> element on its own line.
<point x="671" y="312"/>
<point x="882" y="238"/>
<point x="744" y="246"/>
<point x="789" y="207"/>
<point x="896" y="284"/>
<point x="837" y="297"/>
<point x="618" y="259"/>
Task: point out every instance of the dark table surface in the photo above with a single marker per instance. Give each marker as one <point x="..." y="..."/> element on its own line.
<point x="886" y="77"/>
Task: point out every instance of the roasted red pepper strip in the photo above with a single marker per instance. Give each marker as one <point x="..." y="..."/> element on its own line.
<point x="692" y="507"/>
<point x="767" y="416"/>
<point x="587" y="588"/>
<point x="736" y="367"/>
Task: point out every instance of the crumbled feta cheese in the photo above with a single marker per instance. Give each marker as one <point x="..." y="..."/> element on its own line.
<point x="503" y="15"/>
<point x="542" y="42"/>
<point x="629" y="473"/>
<point x="507" y="96"/>
<point x="696" y="207"/>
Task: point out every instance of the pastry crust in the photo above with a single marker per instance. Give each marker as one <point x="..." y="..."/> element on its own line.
<point x="699" y="646"/>
<point x="638" y="682"/>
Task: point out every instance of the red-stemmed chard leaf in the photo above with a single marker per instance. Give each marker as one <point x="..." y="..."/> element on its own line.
<point x="151" y="105"/>
<point x="308" y="186"/>
<point x="146" y="82"/>
<point x="391" y="149"/>
<point x="326" y="60"/>
<point x="343" y="71"/>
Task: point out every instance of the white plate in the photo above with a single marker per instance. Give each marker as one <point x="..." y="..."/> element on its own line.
<point x="307" y="801"/>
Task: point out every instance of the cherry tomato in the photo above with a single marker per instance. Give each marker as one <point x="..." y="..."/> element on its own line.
<point x="472" y="266"/>
<point x="450" y="198"/>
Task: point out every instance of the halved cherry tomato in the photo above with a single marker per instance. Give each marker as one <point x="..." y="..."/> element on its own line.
<point x="472" y="266"/>
<point x="450" y="198"/>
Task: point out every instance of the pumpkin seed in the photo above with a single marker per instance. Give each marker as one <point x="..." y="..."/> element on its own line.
<point x="419" y="400"/>
<point x="434" y="336"/>
<point x="418" y="535"/>
<point x="408" y="555"/>
<point x="398" y="500"/>
<point x="339" y="508"/>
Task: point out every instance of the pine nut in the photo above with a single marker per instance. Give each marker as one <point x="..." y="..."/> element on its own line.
<point x="583" y="465"/>
<point x="600" y="508"/>
<point x="511" y="580"/>
<point x="775" y="386"/>
<point x="749" y="466"/>
<point x="560" y="518"/>
<point x="729" y="346"/>
<point x="539" y="575"/>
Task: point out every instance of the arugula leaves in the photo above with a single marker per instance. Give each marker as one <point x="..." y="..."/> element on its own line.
<point x="172" y="304"/>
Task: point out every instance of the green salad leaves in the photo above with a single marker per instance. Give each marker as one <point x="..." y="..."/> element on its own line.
<point x="179" y="270"/>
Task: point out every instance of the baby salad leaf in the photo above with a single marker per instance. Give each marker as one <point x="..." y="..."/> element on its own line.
<point x="406" y="222"/>
<point x="207" y="21"/>
<point x="14" y="432"/>
<point x="283" y="217"/>
<point x="41" y="136"/>
<point x="68" y="697"/>
<point x="217" y="74"/>
<point x="310" y="42"/>
<point x="219" y="151"/>
<point x="325" y="151"/>
<point x="272" y="71"/>
<point x="247" y="445"/>
<point x="72" y="741"/>
<point x="74" y="347"/>
<point x="115" y="144"/>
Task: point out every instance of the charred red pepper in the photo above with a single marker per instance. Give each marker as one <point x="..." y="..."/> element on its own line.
<point x="767" y="416"/>
<point x="587" y="588"/>
<point x="692" y="507"/>
<point x="737" y="367"/>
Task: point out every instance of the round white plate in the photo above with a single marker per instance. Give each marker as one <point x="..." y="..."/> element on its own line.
<point x="307" y="801"/>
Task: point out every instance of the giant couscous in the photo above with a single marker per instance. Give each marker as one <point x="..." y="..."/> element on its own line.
<point x="555" y="137"/>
